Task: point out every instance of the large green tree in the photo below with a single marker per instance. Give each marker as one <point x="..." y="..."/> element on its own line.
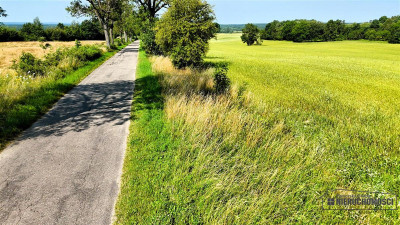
<point x="128" y="24"/>
<point x="395" y="33"/>
<point x="334" y="30"/>
<point x="184" y="30"/>
<point x="250" y="35"/>
<point x="106" y="11"/>
<point x="33" y="31"/>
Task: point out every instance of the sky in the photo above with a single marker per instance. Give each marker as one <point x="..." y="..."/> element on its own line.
<point x="228" y="11"/>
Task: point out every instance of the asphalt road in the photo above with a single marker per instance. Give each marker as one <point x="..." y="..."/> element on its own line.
<point x="66" y="168"/>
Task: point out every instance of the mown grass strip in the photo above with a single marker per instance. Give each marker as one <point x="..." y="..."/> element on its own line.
<point x="148" y="137"/>
<point x="35" y="104"/>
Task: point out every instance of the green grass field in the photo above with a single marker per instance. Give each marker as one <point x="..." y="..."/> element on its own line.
<point x="320" y="116"/>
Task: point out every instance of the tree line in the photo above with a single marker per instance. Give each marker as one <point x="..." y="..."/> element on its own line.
<point x="87" y="30"/>
<point x="108" y="19"/>
<point x="382" y="29"/>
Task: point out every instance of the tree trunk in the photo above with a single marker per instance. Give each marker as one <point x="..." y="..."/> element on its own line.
<point x="111" y="36"/>
<point x="107" y="36"/>
<point x="125" y="37"/>
<point x="111" y="33"/>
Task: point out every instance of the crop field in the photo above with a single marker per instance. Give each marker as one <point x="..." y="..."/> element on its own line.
<point x="341" y="100"/>
<point x="10" y="51"/>
<point x="300" y="119"/>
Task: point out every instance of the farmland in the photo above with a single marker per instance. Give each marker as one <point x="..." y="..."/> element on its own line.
<point x="10" y="51"/>
<point x="300" y="119"/>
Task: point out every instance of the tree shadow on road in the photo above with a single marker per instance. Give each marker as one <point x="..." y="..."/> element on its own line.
<point x="87" y="105"/>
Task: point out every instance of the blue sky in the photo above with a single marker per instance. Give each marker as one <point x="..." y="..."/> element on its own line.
<point x="230" y="11"/>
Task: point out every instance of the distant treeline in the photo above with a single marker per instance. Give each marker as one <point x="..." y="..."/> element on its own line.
<point x="236" y="28"/>
<point x="383" y="29"/>
<point x="87" y="30"/>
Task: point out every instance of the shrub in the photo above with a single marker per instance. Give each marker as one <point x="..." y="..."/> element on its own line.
<point x="85" y="53"/>
<point x="58" y="61"/>
<point x="221" y="80"/>
<point x="184" y="30"/>
<point x="52" y="59"/>
<point x="118" y="42"/>
<point x="29" y="65"/>
<point x="148" y="39"/>
<point x="251" y="34"/>
<point x="77" y="43"/>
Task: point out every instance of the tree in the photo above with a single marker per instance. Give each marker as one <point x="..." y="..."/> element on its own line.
<point x="104" y="10"/>
<point x="375" y="24"/>
<point x="395" y="33"/>
<point x="287" y="30"/>
<point x="370" y="34"/>
<point x="33" y="31"/>
<point x="272" y="31"/>
<point x="383" y="19"/>
<point x="2" y="12"/>
<point x="355" y="32"/>
<point x="334" y="30"/>
<point x="184" y="30"/>
<point x="128" y="24"/>
<point x="91" y="30"/>
<point x="218" y="27"/>
<point x="250" y="35"/>
<point x="301" y="31"/>
<point x="152" y="7"/>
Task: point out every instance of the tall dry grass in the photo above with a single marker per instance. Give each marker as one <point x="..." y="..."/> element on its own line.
<point x="10" y="51"/>
<point x="245" y="166"/>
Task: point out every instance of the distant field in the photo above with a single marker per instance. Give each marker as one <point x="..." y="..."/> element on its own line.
<point x="10" y="51"/>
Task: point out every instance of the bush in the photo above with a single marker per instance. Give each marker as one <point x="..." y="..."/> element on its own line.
<point x="221" y="80"/>
<point x="85" y="53"/>
<point x="29" y="65"/>
<point x="78" y="43"/>
<point x="184" y="30"/>
<point x="118" y="42"/>
<point x="148" y="39"/>
<point x="58" y="61"/>
<point x="52" y="59"/>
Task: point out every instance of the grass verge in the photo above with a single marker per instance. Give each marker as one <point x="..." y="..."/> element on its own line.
<point x="149" y="136"/>
<point x="36" y="101"/>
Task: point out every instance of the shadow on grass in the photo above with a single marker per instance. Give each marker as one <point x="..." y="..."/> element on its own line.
<point x="148" y="95"/>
